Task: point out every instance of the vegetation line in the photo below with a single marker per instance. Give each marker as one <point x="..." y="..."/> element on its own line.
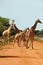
<point x="38" y="38"/>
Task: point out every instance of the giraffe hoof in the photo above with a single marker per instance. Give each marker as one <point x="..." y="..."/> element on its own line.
<point x="27" y="47"/>
<point x="32" y="48"/>
<point x="19" y="45"/>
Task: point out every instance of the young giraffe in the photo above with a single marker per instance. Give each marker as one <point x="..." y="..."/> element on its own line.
<point x="21" y="36"/>
<point x="6" y="33"/>
<point x="18" y="37"/>
<point x="32" y="33"/>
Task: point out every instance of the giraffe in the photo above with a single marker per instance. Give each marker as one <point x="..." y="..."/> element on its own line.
<point x="32" y="33"/>
<point x="27" y="35"/>
<point x="21" y="36"/>
<point x="17" y="30"/>
<point x="6" y="33"/>
<point x="18" y="38"/>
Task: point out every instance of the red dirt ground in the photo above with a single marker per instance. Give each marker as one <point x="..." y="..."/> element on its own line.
<point x="14" y="55"/>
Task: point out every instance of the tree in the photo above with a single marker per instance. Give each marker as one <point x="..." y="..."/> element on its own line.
<point x="41" y="31"/>
<point x="4" y="23"/>
<point x="36" y="32"/>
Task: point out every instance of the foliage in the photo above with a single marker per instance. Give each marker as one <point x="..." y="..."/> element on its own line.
<point x="36" y="31"/>
<point x="39" y="33"/>
<point x="4" y="22"/>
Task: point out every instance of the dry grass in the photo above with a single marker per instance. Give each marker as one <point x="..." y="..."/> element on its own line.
<point x="38" y="38"/>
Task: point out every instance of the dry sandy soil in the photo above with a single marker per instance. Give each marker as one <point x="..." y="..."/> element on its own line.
<point x="14" y="55"/>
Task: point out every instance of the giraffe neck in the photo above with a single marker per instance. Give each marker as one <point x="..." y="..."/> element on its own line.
<point x="10" y="28"/>
<point x="11" y="25"/>
<point x="17" y="30"/>
<point x="34" y="26"/>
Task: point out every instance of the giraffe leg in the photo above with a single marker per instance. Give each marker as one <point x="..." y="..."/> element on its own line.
<point x="3" y="41"/>
<point x="27" y="44"/>
<point x="32" y="43"/>
<point x="19" y="42"/>
<point x="8" y="39"/>
<point x="24" y="42"/>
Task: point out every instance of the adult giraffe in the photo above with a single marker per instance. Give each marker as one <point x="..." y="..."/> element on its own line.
<point x="7" y="32"/>
<point x="21" y="36"/>
<point x="32" y="33"/>
<point x="16" y="29"/>
<point x="27" y="35"/>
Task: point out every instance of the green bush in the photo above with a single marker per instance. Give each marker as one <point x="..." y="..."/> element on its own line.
<point x="4" y="23"/>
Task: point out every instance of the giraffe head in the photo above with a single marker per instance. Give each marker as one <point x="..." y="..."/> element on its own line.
<point x="12" y="24"/>
<point x="13" y="21"/>
<point x="38" y="21"/>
